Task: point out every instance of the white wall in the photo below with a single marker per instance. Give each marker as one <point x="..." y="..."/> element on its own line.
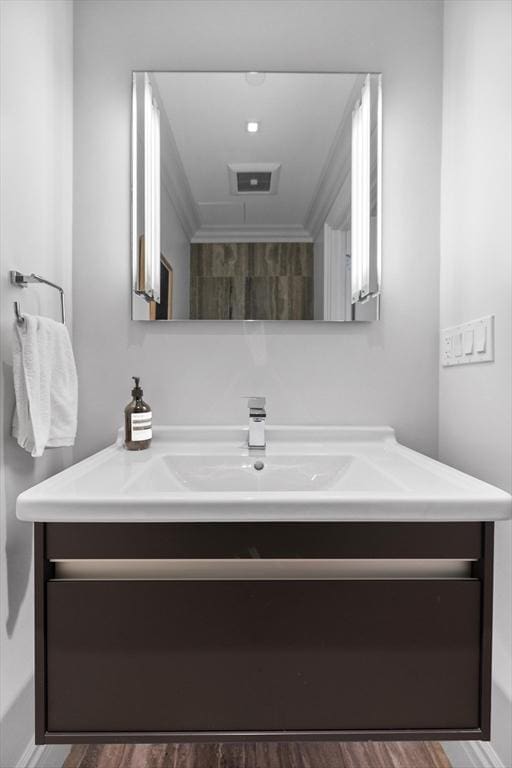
<point x="36" y="190"/>
<point x="174" y="241"/>
<point x="318" y="275"/>
<point x="198" y="373"/>
<point x="475" y="408"/>
<point x="175" y="246"/>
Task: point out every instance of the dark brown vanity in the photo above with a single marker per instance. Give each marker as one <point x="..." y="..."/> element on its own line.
<point x="123" y="658"/>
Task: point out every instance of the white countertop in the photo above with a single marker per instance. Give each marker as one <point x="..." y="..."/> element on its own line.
<point x="310" y="473"/>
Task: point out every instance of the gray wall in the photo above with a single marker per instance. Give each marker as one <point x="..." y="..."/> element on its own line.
<point x="197" y="374"/>
<point x="475" y="402"/>
<point x="36" y="192"/>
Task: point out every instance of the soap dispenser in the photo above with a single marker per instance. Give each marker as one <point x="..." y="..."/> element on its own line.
<point x="137" y="421"/>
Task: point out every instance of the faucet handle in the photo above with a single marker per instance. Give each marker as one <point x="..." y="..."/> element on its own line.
<point x="256" y="402"/>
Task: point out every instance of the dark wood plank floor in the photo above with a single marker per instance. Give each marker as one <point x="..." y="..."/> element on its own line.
<point x="419" y="754"/>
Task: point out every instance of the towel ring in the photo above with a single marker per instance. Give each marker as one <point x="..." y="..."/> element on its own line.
<point x="22" y="281"/>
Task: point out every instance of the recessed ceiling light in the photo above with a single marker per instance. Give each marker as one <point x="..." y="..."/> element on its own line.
<point x="252" y="126"/>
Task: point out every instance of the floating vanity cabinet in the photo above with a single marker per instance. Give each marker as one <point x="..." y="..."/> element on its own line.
<point x="343" y="592"/>
<point x="153" y="632"/>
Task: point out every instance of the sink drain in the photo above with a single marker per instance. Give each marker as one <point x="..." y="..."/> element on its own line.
<point x="258" y="465"/>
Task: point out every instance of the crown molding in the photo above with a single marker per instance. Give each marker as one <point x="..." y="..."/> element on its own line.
<point x="252" y="235"/>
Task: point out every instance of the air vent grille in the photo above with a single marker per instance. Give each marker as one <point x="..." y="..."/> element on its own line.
<point x="253" y="178"/>
<point x="258" y="181"/>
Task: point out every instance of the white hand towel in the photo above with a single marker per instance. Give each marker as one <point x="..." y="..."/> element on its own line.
<point x="45" y="385"/>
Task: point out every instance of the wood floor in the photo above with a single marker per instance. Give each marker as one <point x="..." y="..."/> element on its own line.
<point x="419" y="754"/>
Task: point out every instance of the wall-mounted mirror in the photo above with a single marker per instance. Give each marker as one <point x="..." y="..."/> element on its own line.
<point x="256" y="196"/>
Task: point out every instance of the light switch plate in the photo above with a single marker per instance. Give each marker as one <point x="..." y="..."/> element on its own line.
<point x="468" y="343"/>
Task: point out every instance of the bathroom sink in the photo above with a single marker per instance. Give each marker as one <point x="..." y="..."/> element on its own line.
<point x="305" y="473"/>
<point x="259" y="474"/>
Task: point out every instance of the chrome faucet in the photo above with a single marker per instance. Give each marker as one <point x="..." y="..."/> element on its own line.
<point x="257" y="416"/>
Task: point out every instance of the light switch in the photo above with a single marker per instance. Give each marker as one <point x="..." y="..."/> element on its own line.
<point x="471" y="342"/>
<point x="468" y="339"/>
<point x="480" y="337"/>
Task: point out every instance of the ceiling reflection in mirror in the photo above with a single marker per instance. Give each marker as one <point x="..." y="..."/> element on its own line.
<point x="256" y="196"/>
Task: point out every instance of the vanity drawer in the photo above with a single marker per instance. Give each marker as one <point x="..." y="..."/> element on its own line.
<point x="164" y="658"/>
<point x="455" y="540"/>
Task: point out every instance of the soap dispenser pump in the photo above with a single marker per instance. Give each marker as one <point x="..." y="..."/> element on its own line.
<point x="138" y="429"/>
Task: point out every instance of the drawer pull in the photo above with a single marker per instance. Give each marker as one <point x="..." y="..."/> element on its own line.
<point x="260" y="569"/>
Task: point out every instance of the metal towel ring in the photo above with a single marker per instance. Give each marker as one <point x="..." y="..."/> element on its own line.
<point x="22" y="281"/>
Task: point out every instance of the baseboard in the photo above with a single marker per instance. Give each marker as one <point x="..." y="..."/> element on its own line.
<point x="43" y="756"/>
<point x="472" y="754"/>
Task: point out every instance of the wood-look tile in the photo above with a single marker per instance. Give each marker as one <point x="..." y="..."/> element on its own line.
<point x="261" y="755"/>
<point x="281" y="259"/>
<point x="291" y="755"/>
<point x="232" y="756"/>
<point x="398" y="754"/>
<point x="219" y="259"/>
<point x="265" y="281"/>
<point x="217" y="298"/>
<point x="75" y="757"/>
<point x="148" y="756"/>
<point x="391" y="754"/>
<point x="279" y="298"/>
<point x="357" y="754"/>
<point x="196" y="756"/>
<point x="439" y="756"/>
<point x="101" y="756"/>
<point x="327" y="755"/>
<point x="402" y="751"/>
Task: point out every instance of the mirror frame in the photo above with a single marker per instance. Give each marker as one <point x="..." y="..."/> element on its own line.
<point x="367" y="309"/>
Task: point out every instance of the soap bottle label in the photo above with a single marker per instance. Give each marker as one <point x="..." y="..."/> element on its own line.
<point x="142" y="426"/>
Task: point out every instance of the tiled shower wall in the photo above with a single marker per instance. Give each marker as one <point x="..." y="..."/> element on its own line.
<point x="251" y="281"/>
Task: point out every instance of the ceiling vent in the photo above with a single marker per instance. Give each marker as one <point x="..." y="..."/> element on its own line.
<point x="253" y="178"/>
<point x="259" y="181"/>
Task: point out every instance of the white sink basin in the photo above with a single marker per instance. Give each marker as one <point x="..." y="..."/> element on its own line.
<point x="308" y="473"/>
<point x="259" y="474"/>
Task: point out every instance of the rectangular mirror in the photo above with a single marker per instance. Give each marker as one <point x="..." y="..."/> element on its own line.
<point x="256" y="196"/>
